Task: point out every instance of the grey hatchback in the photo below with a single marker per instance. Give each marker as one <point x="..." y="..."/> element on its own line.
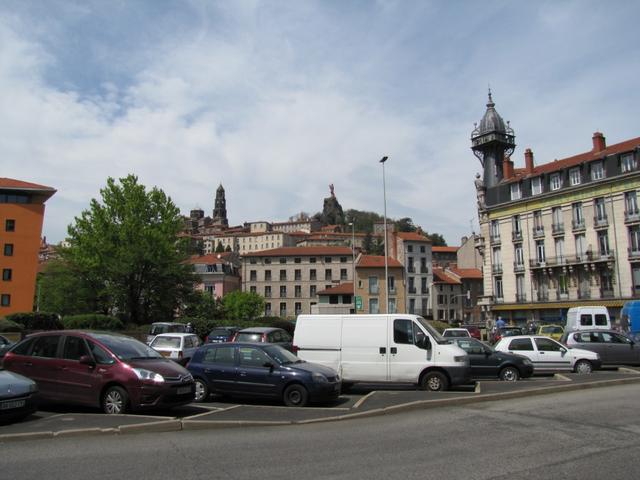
<point x="614" y="348"/>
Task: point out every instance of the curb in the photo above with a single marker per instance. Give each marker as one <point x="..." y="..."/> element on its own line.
<point x="175" y="424"/>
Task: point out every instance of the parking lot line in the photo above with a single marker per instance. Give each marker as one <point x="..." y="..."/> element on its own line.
<point x="629" y="370"/>
<point x="363" y="399"/>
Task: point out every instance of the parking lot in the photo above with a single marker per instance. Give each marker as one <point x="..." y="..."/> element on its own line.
<point x="361" y="401"/>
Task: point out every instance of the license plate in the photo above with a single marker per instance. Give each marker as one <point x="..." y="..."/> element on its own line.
<point x="183" y="390"/>
<point x="12" y="404"/>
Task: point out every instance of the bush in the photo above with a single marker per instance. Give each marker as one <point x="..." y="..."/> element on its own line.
<point x="9" y="326"/>
<point x="201" y="326"/>
<point x="37" y="320"/>
<point x="438" y="325"/>
<point x="92" y="321"/>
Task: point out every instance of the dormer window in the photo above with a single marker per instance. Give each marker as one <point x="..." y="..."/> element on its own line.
<point x="516" y="194"/>
<point x="575" y="178"/>
<point x="597" y="170"/>
<point x="536" y="186"/>
<point x="555" y="181"/>
<point x="628" y="162"/>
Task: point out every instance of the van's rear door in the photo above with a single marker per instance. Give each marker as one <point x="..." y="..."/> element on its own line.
<point x="365" y="348"/>
<point x="406" y="360"/>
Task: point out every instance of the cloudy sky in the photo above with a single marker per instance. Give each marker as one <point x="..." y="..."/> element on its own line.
<point x="278" y="99"/>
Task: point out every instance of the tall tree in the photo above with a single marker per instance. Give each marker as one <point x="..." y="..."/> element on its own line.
<point x="127" y="247"/>
<point x="242" y="305"/>
<point x="405" y="225"/>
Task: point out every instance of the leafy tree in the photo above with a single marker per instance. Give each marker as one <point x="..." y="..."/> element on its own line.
<point x="362" y="220"/>
<point x="437" y="240"/>
<point x="378" y="246"/>
<point x="228" y="248"/>
<point x="127" y="248"/>
<point x="367" y="243"/>
<point x="200" y="304"/>
<point x="405" y="225"/>
<point x="242" y="305"/>
<point x="219" y="248"/>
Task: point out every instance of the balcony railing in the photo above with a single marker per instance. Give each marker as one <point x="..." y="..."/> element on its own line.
<point x="606" y="293"/>
<point x="518" y="267"/>
<point x="600" y="221"/>
<point x="495" y="239"/>
<point x="424" y="269"/>
<point x="497" y="269"/>
<point x="411" y="269"/>
<point x="521" y="297"/>
<point x="412" y="290"/>
<point x="578" y="225"/>
<point x="424" y="290"/>
<point x="583" y="294"/>
<point x="538" y="231"/>
<point x="542" y="296"/>
<point x="557" y="228"/>
<point x="516" y="235"/>
<point x="634" y="254"/>
<point x="588" y="257"/>
<point x="632" y="216"/>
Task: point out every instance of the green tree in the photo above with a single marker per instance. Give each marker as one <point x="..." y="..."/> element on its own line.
<point x="219" y="248"/>
<point x="200" y="304"/>
<point x="405" y="225"/>
<point x="367" y="243"/>
<point x="242" y="305"/>
<point x="228" y="248"/>
<point x="437" y="240"/>
<point x="128" y="249"/>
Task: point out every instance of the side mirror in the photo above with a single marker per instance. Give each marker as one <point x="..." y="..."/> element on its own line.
<point x="424" y="343"/>
<point x="87" y="360"/>
<point x="268" y="365"/>
<point x="563" y="351"/>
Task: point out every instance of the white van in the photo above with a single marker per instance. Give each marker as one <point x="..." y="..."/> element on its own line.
<point x="381" y="348"/>
<point x="588" y="318"/>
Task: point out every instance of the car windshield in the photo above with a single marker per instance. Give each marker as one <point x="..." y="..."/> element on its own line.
<point x="432" y="331"/>
<point x="249" y="337"/>
<point x="219" y="332"/>
<point x="126" y="348"/>
<point x="166" y="342"/>
<point x="281" y="355"/>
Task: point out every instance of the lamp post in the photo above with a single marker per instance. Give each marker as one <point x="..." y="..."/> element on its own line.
<point x="386" y="251"/>
<point x="353" y="262"/>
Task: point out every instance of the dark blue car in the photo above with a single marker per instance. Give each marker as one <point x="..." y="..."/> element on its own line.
<point x="221" y="334"/>
<point x="261" y="370"/>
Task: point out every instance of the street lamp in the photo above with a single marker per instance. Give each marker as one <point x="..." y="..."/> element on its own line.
<point x="353" y="262"/>
<point x="386" y="251"/>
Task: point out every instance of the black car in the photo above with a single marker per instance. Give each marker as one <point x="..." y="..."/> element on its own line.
<point x="261" y="370"/>
<point x="221" y="334"/>
<point x="485" y="362"/>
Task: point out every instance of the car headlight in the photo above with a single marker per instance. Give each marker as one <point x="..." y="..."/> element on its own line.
<point x="143" y="374"/>
<point x="460" y="359"/>
<point x="33" y="387"/>
<point x="319" y="378"/>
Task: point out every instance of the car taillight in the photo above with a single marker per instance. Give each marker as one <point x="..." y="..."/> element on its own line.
<point x="295" y="349"/>
<point x="206" y="339"/>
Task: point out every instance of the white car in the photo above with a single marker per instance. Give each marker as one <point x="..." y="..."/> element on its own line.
<point x="456" y="332"/>
<point x="176" y="346"/>
<point x="547" y="355"/>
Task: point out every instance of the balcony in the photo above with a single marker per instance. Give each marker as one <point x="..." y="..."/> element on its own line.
<point x="412" y="290"/>
<point x="538" y="232"/>
<point x="538" y="263"/>
<point x="584" y="294"/>
<point x="578" y="225"/>
<point x="495" y="239"/>
<point x="516" y="235"/>
<point x="632" y="216"/>
<point x="424" y="290"/>
<point x="588" y="257"/>
<point x="557" y="229"/>
<point x="496" y="269"/>
<point x="411" y="269"/>
<point x="634" y="254"/>
<point x="424" y="269"/>
<point x="600" y="221"/>
<point x="542" y="296"/>
<point x="374" y="290"/>
<point x="518" y="267"/>
<point x="606" y="293"/>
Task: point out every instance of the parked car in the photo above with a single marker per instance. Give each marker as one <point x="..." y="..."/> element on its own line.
<point x="551" y="331"/>
<point x="164" y="327"/>
<point x="485" y="362"/>
<point x="548" y="355"/>
<point x="277" y="336"/>
<point x="498" y="333"/>
<point x="473" y="331"/>
<point x="261" y="370"/>
<point x="221" y="334"/>
<point x="5" y="345"/>
<point x="179" y="347"/>
<point x="18" y="396"/>
<point x="613" y="347"/>
<point x="107" y="370"/>
<point x="588" y="318"/>
<point x="456" y="332"/>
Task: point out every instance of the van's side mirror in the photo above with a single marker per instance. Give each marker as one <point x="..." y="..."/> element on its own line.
<point x="87" y="360"/>
<point x="424" y="343"/>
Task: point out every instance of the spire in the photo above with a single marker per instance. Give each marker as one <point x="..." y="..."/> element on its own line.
<point x="490" y="104"/>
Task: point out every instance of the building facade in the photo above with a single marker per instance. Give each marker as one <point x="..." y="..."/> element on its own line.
<point x="371" y="289"/>
<point x="413" y="251"/>
<point x="218" y="274"/>
<point x="560" y="234"/>
<point x="21" y="217"/>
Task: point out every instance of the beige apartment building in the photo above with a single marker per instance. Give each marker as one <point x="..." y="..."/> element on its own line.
<point x="371" y="288"/>
<point x="289" y="278"/>
<point x="413" y="251"/>
<point x="243" y="243"/>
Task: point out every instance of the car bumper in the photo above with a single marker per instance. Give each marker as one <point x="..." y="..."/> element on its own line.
<point x="319" y="392"/>
<point x="159" y="396"/>
<point x="459" y="375"/>
<point x="18" y="407"/>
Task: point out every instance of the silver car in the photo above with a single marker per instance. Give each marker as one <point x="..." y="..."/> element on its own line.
<point x="17" y="396"/>
<point x="614" y="347"/>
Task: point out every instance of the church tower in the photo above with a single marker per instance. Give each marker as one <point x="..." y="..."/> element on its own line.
<point x="491" y="141"/>
<point x="220" y="209"/>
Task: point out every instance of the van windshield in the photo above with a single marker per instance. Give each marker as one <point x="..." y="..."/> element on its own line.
<point x="432" y="331"/>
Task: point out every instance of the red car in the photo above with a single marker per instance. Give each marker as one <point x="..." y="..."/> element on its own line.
<point x="114" y="372"/>
<point x="473" y="331"/>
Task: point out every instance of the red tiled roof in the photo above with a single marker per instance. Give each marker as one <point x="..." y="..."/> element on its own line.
<point x="469" y="273"/>
<point x="342" y="289"/>
<point x="621" y="147"/>
<point x="440" y="276"/>
<point x="13" y="184"/>
<point x="412" y="237"/>
<point x="296" y="251"/>
<point x="376" y="261"/>
<point x="444" y="249"/>
<point x="210" y="259"/>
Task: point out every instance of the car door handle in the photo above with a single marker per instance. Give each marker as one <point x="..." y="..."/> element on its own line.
<point x="541" y="353"/>
<point x="243" y="374"/>
<point x="394" y="350"/>
<point x="383" y="350"/>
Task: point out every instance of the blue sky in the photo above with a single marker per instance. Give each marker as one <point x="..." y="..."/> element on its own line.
<point x="278" y="99"/>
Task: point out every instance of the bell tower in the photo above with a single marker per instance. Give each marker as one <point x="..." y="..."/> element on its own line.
<point x="491" y="141"/>
<point x="220" y="209"/>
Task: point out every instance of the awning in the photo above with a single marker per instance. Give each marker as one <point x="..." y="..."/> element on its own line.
<point x="555" y="305"/>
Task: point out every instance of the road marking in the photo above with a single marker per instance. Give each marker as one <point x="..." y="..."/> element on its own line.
<point x="630" y="370"/>
<point x="363" y="399"/>
<point x="477" y="389"/>
<point x="559" y="376"/>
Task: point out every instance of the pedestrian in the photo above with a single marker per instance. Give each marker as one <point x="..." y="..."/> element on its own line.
<point x="500" y="323"/>
<point x="189" y="328"/>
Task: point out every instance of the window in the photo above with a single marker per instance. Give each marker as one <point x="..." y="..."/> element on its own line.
<point x="267" y="261"/>
<point x="392" y="284"/>
<point x="297" y="275"/>
<point x="559" y="244"/>
<point x="540" y="257"/>
<point x="252" y="260"/>
<point x="343" y="259"/>
<point x="312" y="274"/>
<point x="603" y="243"/>
<point x="343" y="274"/>
<point x="403" y="332"/>
<point x="100" y="355"/>
<point x="312" y="291"/>
<point x="536" y="186"/>
<point x="267" y="291"/>
<point x="519" y="255"/>
<point x="373" y="306"/>
<point x="253" y="276"/>
<point x="516" y="224"/>
<point x="220" y="355"/>
<point x="601" y="213"/>
<point x="8" y="249"/>
<point x="10" y="225"/>
<point x="327" y="259"/>
<point x="5" y="300"/>
<point x="297" y="291"/>
<point x="423" y="249"/>
<point x="252" y="357"/>
<point x="628" y="162"/>
<point x="283" y="291"/>
<point x="74" y="348"/>
<point x="634" y="240"/>
<point x="267" y="309"/>
<point x="283" y="260"/>
<point x="631" y="203"/>
<point x="297" y="260"/>
<point x="575" y="178"/>
<point x="373" y="285"/>
<point x="597" y="170"/>
<point x="520" y="287"/>
<point x="563" y="285"/>
<point x="6" y="274"/>
<point x="547" y="345"/>
<point x="586" y="320"/>
<point x="515" y="191"/>
<point x="267" y="275"/>
<point x="581" y="244"/>
<point x="283" y="309"/>
<point x="327" y="274"/>
<point x="576" y="213"/>
<point x="46" y="346"/>
<point x="497" y="262"/>
<point x="521" y="344"/>
<point x="253" y="289"/>
<point x="392" y="305"/>
<point x="556" y="215"/>
<point x="410" y="248"/>
<point x="298" y="308"/>
<point x="555" y="182"/>
<point x="537" y="221"/>
<point x="210" y="289"/>
<point x="283" y="275"/>
<point x="495" y="230"/>
<point x="498" y="287"/>
<point x="312" y="259"/>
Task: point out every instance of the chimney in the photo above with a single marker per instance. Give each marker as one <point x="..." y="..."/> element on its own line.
<point x="507" y="168"/>
<point x="528" y="160"/>
<point x="599" y="143"/>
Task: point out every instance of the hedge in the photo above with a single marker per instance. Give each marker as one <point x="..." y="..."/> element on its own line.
<point x="92" y="321"/>
<point x="37" y="320"/>
<point x="9" y="326"/>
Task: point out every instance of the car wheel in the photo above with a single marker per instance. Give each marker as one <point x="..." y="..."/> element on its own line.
<point x="509" y="374"/>
<point x="583" y="366"/>
<point x="115" y="400"/>
<point x="295" y="396"/>
<point x="434" y="382"/>
<point x="202" y="391"/>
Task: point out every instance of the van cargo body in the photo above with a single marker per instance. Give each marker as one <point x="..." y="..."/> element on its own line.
<point x="397" y="348"/>
<point x="631" y="313"/>
<point x="588" y="318"/>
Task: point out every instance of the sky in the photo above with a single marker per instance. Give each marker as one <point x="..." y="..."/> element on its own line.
<point x="275" y="100"/>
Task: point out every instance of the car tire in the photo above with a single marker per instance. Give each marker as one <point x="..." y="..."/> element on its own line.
<point x="115" y="400"/>
<point x="583" y="366"/>
<point x="202" y="391"/>
<point x="509" y="374"/>
<point x="295" y="396"/>
<point x="434" y="382"/>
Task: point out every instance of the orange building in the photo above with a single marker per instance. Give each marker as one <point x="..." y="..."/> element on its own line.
<point x="21" y="217"/>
